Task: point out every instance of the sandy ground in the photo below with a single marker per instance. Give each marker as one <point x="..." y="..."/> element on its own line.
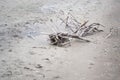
<point x="25" y="54"/>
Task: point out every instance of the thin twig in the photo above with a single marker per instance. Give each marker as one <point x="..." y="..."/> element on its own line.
<point x="110" y="33"/>
<point x="81" y="26"/>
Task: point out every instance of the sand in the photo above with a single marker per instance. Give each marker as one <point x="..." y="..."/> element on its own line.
<point x="25" y="53"/>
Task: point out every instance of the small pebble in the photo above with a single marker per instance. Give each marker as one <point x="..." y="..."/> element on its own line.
<point x="39" y="66"/>
<point x="10" y="50"/>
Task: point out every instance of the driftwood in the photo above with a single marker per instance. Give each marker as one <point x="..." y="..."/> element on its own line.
<point x="61" y="39"/>
<point x="89" y="29"/>
<point x="82" y="28"/>
<point x="79" y="30"/>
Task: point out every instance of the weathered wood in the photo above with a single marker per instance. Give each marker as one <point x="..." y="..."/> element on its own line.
<point x="78" y="30"/>
<point x="61" y="38"/>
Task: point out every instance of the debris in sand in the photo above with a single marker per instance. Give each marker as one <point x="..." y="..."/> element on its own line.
<point x="1" y="49"/>
<point x="61" y="39"/>
<point x="91" y="63"/>
<point x="90" y="29"/>
<point x="47" y="59"/>
<point x="80" y="28"/>
<point x="39" y="66"/>
<point x="10" y="50"/>
<point x="3" y="25"/>
<point x="76" y="29"/>
<point x="43" y="47"/>
<point x="58" y="39"/>
<point x="32" y="53"/>
<point x="110" y="33"/>
<point x="7" y="74"/>
<point x="3" y="61"/>
<point x="27" y="68"/>
<point x="56" y="77"/>
<point x="15" y="36"/>
<point x="40" y="47"/>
